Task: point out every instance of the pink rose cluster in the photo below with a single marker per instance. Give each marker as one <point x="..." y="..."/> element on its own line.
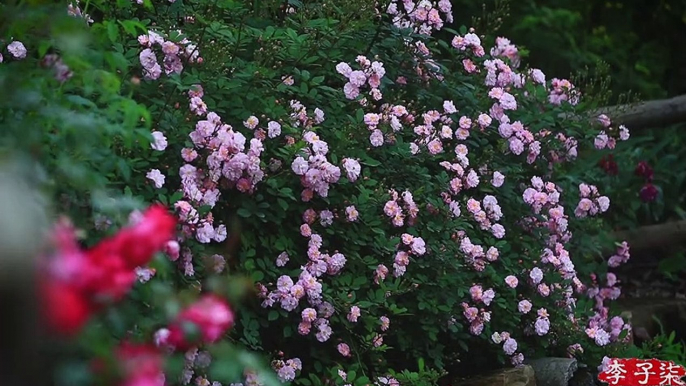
<point x="604" y="330"/>
<point x="541" y="194"/>
<point x="410" y="246"/>
<point x="300" y="117"/>
<point x="394" y="209"/>
<point x="60" y="70"/>
<point x="286" y="370"/>
<point x="173" y="52"/>
<point x="425" y="66"/>
<point x="435" y="132"/>
<point x="604" y="139"/>
<point x="469" y="42"/>
<point x="569" y="145"/>
<point x="476" y="317"/>
<point x="483" y="215"/>
<point x="423" y="17"/>
<point x="621" y="256"/>
<point x="476" y="255"/>
<point x="465" y="179"/>
<point x="591" y="202"/>
<point x="542" y="323"/>
<point x="315" y="171"/>
<point x="505" y="48"/>
<point x="196" y="366"/>
<point x="391" y="115"/>
<point x="509" y="346"/>
<point x="562" y="90"/>
<point x="289" y="294"/>
<point x="370" y="73"/>
<point x="74" y="10"/>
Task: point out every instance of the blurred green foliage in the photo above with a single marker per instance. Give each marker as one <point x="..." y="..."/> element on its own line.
<point x="641" y="40"/>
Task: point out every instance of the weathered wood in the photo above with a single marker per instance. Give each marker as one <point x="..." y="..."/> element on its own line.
<point x="651" y="236"/>
<point x="649" y="114"/>
<point x="643" y="115"/>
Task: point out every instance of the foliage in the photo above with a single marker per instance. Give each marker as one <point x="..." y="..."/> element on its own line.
<point x="663" y="346"/>
<point x="392" y="195"/>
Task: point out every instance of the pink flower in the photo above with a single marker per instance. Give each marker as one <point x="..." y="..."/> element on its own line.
<point x="354" y="314"/>
<point x="449" y="107"/>
<point x="604" y="120"/>
<point x="435" y="147"/>
<point x="476" y="292"/>
<point x="524" y="306"/>
<point x="210" y="314"/>
<point x="542" y="326"/>
<point x="484" y="120"/>
<point x="385" y="323"/>
<point x="282" y="259"/>
<point x="251" y="122"/>
<point x="159" y="141"/>
<point x="418" y="246"/>
<point x="498" y="231"/>
<point x="309" y="315"/>
<point x="351" y="213"/>
<point x="273" y="129"/>
<point x="157" y="177"/>
<point x="510" y="346"/>
<point x="17" y="49"/>
<point x="352" y="169"/>
<point x="344" y="349"/>
<point x="536" y="275"/>
<point x="498" y="179"/>
<point x="511" y="281"/>
<point x="376" y="138"/>
<point x="351" y="91"/>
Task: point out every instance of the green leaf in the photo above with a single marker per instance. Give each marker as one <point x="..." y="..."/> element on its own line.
<point x="273" y="315"/>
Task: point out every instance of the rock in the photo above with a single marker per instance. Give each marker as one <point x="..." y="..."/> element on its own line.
<point x="670" y="312"/>
<point x="517" y="376"/>
<point x="553" y="371"/>
<point x="583" y="377"/>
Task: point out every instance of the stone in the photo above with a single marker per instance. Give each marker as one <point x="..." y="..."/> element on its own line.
<point x="583" y="377"/>
<point x="642" y="311"/>
<point x="553" y="371"/>
<point x="516" y="376"/>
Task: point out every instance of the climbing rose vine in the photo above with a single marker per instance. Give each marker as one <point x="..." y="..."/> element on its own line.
<point x="389" y="195"/>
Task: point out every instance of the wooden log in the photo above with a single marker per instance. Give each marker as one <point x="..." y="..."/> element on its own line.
<point x="649" y="114"/>
<point x="643" y="115"/>
<point x="652" y="236"/>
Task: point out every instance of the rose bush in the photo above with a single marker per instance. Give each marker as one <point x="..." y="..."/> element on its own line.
<point x="393" y="196"/>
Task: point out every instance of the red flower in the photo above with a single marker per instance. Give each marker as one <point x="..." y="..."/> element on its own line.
<point x="109" y="277"/>
<point x="648" y="193"/>
<point x="138" y="244"/>
<point x="65" y="308"/>
<point x="206" y="320"/>
<point x="78" y="283"/>
<point x="609" y="165"/>
<point x="644" y="170"/>
<point x="141" y="364"/>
